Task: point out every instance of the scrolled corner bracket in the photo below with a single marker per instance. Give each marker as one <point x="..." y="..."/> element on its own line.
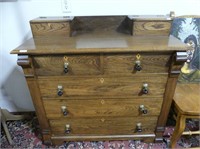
<point x="24" y="61"/>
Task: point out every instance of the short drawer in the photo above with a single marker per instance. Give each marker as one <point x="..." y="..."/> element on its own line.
<point x="126" y="64"/>
<point x="67" y="65"/>
<point x="103" y="126"/>
<point x="64" y="108"/>
<point x="102" y="86"/>
<point x="151" y="27"/>
<point x="50" y="27"/>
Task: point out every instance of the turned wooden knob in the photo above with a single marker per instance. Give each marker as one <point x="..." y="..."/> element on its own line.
<point x="143" y="110"/>
<point x="139" y="127"/>
<point x="145" y="88"/>
<point x="60" y="90"/>
<point x="64" y="110"/>
<point x="67" y="129"/>
<point x="138" y="66"/>
<point x="66" y="69"/>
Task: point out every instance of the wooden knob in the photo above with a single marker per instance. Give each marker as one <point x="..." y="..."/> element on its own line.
<point x="139" y="127"/>
<point x="143" y="110"/>
<point x="67" y="129"/>
<point x="64" y="110"/>
<point x="60" y="90"/>
<point x="66" y="67"/>
<point x="145" y="88"/>
<point x="138" y="65"/>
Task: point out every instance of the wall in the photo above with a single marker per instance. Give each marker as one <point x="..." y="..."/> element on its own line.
<point x="15" y="29"/>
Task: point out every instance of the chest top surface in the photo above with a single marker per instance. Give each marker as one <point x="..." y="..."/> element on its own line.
<point x="90" y="43"/>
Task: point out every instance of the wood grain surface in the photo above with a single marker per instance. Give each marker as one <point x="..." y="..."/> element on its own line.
<point x="113" y="64"/>
<point x="77" y="65"/>
<point x="49" y="29"/>
<point x="151" y="27"/>
<point x="102" y="107"/>
<point x="187" y="98"/>
<point x="109" y="44"/>
<point x="122" y="64"/>
<point x="103" y="125"/>
<point x="103" y="86"/>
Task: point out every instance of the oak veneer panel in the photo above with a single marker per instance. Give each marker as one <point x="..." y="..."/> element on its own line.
<point x="78" y="65"/>
<point x="103" y="86"/>
<point x="101" y="107"/>
<point x="123" y="64"/>
<point x="104" y="125"/>
<point x="50" y="27"/>
<point x="151" y="27"/>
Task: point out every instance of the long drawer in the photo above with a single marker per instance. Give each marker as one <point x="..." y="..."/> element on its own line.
<point x="61" y="108"/>
<point x="103" y="126"/>
<point x="103" y="86"/>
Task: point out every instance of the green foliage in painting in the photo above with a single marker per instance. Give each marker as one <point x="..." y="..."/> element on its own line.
<point x="196" y="21"/>
<point x="177" y="27"/>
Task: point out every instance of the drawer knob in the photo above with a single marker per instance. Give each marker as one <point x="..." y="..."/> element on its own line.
<point x="145" y="88"/>
<point x="66" y="69"/>
<point x="67" y="129"/>
<point x="60" y="90"/>
<point x="139" y="127"/>
<point x="64" y="110"/>
<point x="138" y="66"/>
<point x="143" y="110"/>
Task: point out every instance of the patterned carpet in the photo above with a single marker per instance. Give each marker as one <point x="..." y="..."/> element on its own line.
<point x="25" y="135"/>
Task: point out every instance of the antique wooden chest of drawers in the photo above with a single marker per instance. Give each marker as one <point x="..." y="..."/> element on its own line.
<point x="96" y="82"/>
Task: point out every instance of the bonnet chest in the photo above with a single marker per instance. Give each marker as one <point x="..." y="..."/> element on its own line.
<point x="91" y="81"/>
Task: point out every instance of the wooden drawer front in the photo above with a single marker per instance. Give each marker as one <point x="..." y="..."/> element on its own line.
<point x="50" y="29"/>
<point x="77" y="65"/>
<point x="104" y="125"/>
<point x="151" y="27"/>
<point x="101" y="107"/>
<point x="123" y="64"/>
<point x="103" y="86"/>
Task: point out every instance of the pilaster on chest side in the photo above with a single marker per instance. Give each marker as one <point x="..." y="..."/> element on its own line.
<point x="26" y="62"/>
